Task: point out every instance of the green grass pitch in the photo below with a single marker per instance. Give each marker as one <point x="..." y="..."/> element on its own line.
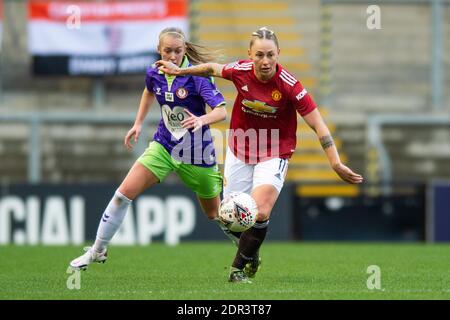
<point x="199" y="270"/>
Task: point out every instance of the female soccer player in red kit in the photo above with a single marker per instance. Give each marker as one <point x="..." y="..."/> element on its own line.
<point x="263" y="135"/>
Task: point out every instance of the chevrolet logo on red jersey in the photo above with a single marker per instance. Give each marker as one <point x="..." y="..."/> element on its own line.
<point x="259" y="106"/>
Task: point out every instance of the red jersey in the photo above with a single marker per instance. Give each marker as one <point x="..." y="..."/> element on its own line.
<point x="264" y="120"/>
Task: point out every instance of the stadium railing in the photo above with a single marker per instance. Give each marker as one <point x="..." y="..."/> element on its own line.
<point x="378" y="150"/>
<point x="36" y="120"/>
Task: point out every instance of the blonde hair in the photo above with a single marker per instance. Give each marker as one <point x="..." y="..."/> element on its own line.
<point x="264" y="33"/>
<point x="196" y="53"/>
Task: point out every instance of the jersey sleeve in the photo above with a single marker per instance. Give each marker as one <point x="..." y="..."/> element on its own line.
<point x="302" y="100"/>
<point x="228" y="70"/>
<point x="210" y="94"/>
<point x="149" y="79"/>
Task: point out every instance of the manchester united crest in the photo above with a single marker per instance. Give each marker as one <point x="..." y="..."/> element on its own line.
<point x="276" y="95"/>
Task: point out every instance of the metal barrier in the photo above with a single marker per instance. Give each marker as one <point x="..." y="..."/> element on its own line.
<point x="400" y="216"/>
<point x="36" y="120"/>
<point x="375" y="125"/>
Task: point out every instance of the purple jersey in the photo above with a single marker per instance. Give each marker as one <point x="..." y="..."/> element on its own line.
<point x="174" y="94"/>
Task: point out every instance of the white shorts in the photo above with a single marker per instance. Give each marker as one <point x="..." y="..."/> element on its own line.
<point x="243" y="177"/>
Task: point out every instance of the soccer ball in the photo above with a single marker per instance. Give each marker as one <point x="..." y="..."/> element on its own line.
<point x="238" y="211"/>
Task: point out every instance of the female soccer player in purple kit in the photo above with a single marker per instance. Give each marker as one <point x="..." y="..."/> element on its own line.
<point x="182" y="142"/>
<point x="265" y="110"/>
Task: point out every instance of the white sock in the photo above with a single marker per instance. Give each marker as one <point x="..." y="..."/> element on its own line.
<point x="227" y="232"/>
<point x="111" y="220"/>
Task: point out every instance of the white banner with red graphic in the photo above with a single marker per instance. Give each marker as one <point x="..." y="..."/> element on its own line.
<point x="97" y="38"/>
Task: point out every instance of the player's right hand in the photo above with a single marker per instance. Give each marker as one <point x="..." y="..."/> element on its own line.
<point x="167" y="67"/>
<point x="135" y="131"/>
<point x="346" y="174"/>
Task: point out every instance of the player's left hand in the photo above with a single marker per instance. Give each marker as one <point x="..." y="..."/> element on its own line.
<point x="346" y="174"/>
<point x="193" y="122"/>
<point x="167" y="67"/>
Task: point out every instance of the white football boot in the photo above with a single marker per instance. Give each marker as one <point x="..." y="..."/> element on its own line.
<point x="83" y="261"/>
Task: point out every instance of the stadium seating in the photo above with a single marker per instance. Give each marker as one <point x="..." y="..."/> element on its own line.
<point x="296" y="26"/>
<point x="351" y="71"/>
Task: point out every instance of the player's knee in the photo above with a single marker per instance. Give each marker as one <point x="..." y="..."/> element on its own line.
<point x="263" y="215"/>
<point x="212" y="214"/>
<point x="264" y="210"/>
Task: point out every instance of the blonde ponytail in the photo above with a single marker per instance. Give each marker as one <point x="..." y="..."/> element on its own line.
<point x="200" y="54"/>
<point x="196" y="53"/>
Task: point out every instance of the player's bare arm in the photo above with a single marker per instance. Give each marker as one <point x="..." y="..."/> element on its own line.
<point x="147" y="99"/>
<point x="195" y="123"/>
<point x="326" y="141"/>
<point x="202" y="70"/>
<point x="315" y="121"/>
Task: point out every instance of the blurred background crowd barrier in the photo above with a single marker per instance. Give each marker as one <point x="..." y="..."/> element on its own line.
<point x="72" y="73"/>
